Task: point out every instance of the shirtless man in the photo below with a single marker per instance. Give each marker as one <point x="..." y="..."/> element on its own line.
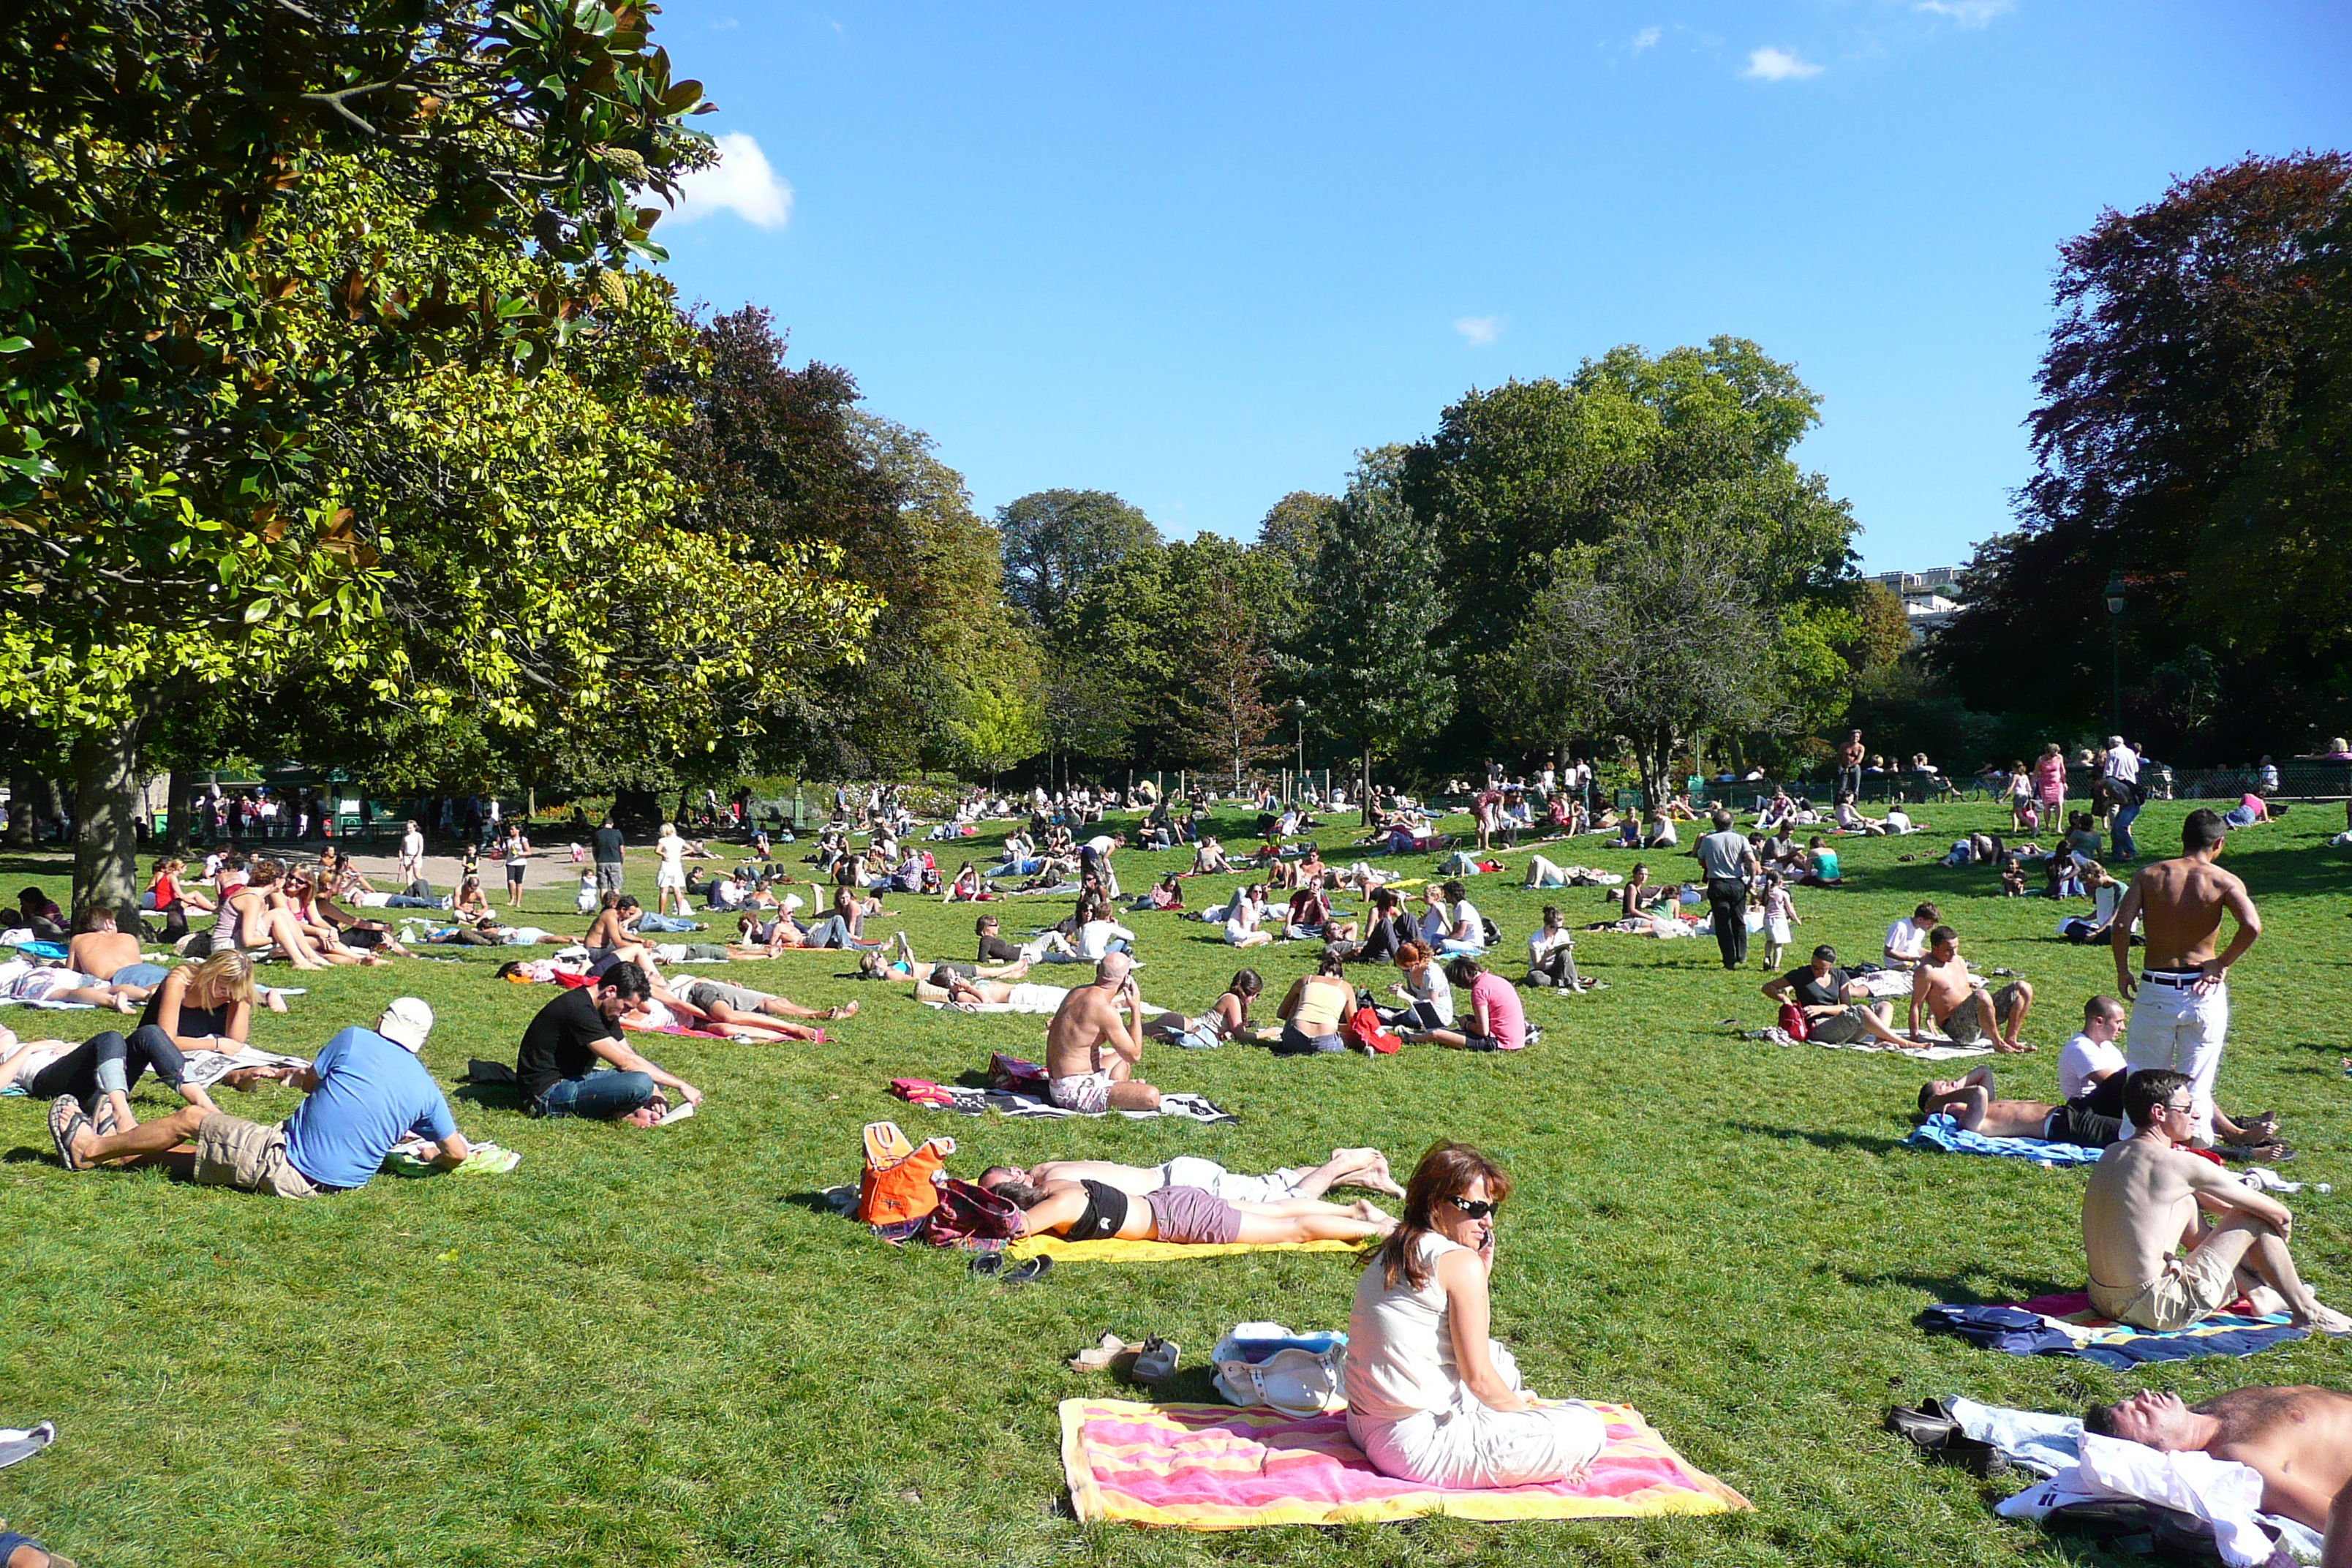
<point x="2143" y="1199"/>
<point x="1345" y="1168"/>
<point x="1969" y="1102"/>
<point x="99" y="949"/>
<point x="2299" y="1440"/>
<point x="2183" y="1019"/>
<point x="1108" y="1012"/>
<point x="1961" y="1008"/>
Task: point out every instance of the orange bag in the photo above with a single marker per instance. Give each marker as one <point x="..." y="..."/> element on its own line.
<point x="901" y="1181"/>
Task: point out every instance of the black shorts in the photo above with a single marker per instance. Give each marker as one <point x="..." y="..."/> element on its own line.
<point x="514" y="874"/>
<point x="1480" y="1042"/>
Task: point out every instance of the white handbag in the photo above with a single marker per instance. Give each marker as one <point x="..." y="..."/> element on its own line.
<point x="1297" y="1374"/>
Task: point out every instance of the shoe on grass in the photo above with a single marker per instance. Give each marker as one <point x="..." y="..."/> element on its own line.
<point x="1155" y="1361"/>
<point x="1098" y="1356"/>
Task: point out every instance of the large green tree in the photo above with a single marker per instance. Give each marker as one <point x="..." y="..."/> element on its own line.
<point x="206" y="213"/>
<point x="2188" y="438"/>
<point x="1057" y="542"/>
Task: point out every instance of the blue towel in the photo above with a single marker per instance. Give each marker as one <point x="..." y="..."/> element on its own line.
<point x="2013" y="1330"/>
<point x="1940" y="1131"/>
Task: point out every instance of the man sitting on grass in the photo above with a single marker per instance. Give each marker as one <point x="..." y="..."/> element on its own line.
<point x="1106" y="1014"/>
<point x="1967" y="1012"/>
<point x="2298" y="1439"/>
<point x="1837" y="1011"/>
<point x="367" y="1091"/>
<point x="1969" y="1102"/>
<point x="573" y="1062"/>
<point x="2143" y="1199"/>
<point x="1345" y="1168"/>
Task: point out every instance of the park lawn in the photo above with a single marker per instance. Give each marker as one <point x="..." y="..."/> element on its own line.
<point x="659" y="1348"/>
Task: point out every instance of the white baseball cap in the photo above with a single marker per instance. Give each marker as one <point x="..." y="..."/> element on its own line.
<point x="408" y="1021"/>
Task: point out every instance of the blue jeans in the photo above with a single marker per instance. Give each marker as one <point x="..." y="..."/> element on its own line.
<point x="1297" y="1042"/>
<point x="134" y="975"/>
<point x="598" y="1097"/>
<point x="2123" y="845"/>
<point x="106" y="1062"/>
<point x="403" y="901"/>
<point x="652" y="921"/>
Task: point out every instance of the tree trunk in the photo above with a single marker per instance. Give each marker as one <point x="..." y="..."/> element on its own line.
<point x="179" y="805"/>
<point x="106" y="808"/>
<point x="1365" y="784"/>
<point x="22" y="787"/>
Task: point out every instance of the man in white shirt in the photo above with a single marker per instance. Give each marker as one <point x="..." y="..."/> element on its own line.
<point x="2122" y="771"/>
<point x="1465" y="927"/>
<point x="2092" y="1057"/>
<point x="1906" y="940"/>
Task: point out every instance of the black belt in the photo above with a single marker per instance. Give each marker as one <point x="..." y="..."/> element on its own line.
<point x="2182" y="978"/>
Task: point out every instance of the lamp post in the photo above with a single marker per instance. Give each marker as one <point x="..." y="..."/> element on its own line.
<point x="2114" y="598"/>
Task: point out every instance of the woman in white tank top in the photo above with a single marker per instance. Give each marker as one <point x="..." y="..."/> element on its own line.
<point x="1431" y="1398"/>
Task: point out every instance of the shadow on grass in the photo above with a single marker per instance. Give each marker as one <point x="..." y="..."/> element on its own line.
<point x="817" y="1203"/>
<point x="1967" y="1288"/>
<point x="1837" y="1143"/>
<point x="25" y="1155"/>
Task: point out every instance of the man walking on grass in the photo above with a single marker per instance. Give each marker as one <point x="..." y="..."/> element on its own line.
<point x="606" y="843"/>
<point x="1724" y="856"/>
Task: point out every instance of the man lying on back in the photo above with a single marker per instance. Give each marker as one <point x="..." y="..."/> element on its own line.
<point x="2299" y="1440"/>
<point x="1969" y="1102"/>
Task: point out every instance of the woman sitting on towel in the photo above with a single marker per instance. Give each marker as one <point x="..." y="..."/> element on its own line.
<point x="1431" y="1399"/>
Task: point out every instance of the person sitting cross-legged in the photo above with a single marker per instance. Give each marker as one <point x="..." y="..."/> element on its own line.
<point x="1432" y="1399"/>
<point x="573" y="1062"/>
<point x="2150" y="1195"/>
<point x="367" y="1091"/>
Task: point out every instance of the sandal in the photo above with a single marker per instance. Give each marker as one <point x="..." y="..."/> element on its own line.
<point x="66" y="1122"/>
<point x="1156" y="1360"/>
<point x="1029" y="1272"/>
<point x="1099" y="1356"/>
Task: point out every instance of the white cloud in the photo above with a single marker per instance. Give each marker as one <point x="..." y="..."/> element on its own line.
<point x="740" y="183"/>
<point x="1646" y="39"/>
<point x="1478" y="330"/>
<point x="1770" y="64"/>
<point x="1967" y="13"/>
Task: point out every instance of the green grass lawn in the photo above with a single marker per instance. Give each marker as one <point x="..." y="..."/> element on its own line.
<point x="656" y="1348"/>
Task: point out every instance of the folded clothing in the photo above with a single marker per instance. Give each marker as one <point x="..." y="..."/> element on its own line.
<point x="1210" y="1467"/>
<point x="2065" y="1325"/>
<point x="1940" y="1131"/>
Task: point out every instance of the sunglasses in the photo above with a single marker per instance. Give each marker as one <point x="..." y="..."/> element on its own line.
<point x="2178" y="1109"/>
<point x="1480" y="1210"/>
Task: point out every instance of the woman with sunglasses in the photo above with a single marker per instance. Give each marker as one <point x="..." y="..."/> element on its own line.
<point x="1431" y="1398"/>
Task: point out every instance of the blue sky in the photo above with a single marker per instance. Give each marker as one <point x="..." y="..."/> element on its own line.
<point x="1200" y="255"/>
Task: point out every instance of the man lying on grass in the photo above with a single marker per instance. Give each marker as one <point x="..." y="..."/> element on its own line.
<point x="366" y="1093"/>
<point x="2144" y="1200"/>
<point x="1345" y="1168"/>
<point x="2298" y="1439"/>
<point x="574" y="1061"/>
<point x="1969" y="1102"/>
<point x="1089" y="1210"/>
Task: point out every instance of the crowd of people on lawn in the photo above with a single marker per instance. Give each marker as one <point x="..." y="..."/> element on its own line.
<point x="2170" y="1235"/>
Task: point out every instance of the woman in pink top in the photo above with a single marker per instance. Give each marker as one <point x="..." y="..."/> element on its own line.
<point x="2049" y="779"/>
<point x="1496" y="1021"/>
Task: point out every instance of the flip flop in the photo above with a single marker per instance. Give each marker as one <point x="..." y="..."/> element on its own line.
<point x="1029" y="1272"/>
<point x="988" y="1263"/>
<point x="1157" y="1360"/>
<point x="65" y="1120"/>
<point x="101" y="1120"/>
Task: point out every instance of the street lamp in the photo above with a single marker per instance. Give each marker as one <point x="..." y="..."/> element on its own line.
<point x="2114" y="598"/>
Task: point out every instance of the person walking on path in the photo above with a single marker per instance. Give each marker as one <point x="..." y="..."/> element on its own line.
<point x="1724" y="856"/>
<point x="2121" y="770"/>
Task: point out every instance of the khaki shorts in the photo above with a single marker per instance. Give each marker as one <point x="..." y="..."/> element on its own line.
<point x="2189" y="1289"/>
<point x="1965" y="1025"/>
<point x="233" y="1152"/>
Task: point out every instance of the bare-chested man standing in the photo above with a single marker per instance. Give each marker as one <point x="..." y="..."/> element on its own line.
<point x="2183" y="1018"/>
<point x="1961" y="1008"/>
<point x="2299" y="1440"/>
<point x="1106" y="1014"/>
<point x="2143" y="1199"/>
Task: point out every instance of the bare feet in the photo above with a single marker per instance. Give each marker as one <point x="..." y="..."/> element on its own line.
<point x="120" y="1002"/>
<point x="846" y="1010"/>
<point x="2326" y="1319"/>
<point x="272" y="1000"/>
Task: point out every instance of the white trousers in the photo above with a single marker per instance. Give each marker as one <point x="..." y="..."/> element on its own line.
<point x="1192" y="1171"/>
<point x="1472" y="1446"/>
<point x="2173" y="1027"/>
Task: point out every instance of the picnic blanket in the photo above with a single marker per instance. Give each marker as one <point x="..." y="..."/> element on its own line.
<point x="965" y="1100"/>
<point x="1940" y="1131"/>
<point x="1063" y="1250"/>
<point x="2065" y="1325"/>
<point x="1212" y="1467"/>
<point x="1777" y="1036"/>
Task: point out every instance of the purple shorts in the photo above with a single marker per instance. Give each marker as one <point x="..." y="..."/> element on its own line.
<point x="1194" y="1216"/>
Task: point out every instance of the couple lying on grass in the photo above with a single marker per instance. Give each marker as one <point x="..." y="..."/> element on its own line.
<point x="2170" y="1235"/>
<point x="1431" y="1397"/>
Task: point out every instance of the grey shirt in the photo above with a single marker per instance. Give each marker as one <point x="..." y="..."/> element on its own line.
<point x="1723" y="853"/>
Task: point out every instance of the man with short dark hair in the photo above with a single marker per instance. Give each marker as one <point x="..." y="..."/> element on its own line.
<point x="2143" y="1199"/>
<point x="1970" y="1102"/>
<point x="574" y="1061"/>
<point x="605" y="844"/>
<point x="1906" y="939"/>
<point x="1838" y="1011"/>
<point x="1729" y="862"/>
<point x="2180" y="1002"/>
<point x="2298" y="1439"/>
<point x="1961" y="1007"/>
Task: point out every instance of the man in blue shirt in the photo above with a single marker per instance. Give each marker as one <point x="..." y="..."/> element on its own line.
<point x="367" y="1091"/>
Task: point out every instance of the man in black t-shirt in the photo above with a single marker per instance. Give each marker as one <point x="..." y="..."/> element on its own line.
<point x="1837" y="1012"/>
<point x="606" y="844"/>
<point x="572" y="1036"/>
